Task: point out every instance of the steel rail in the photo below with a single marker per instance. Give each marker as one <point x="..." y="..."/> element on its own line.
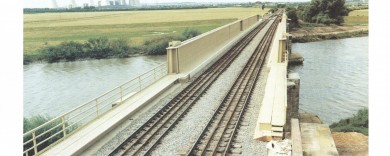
<point x="211" y="74"/>
<point x="253" y="76"/>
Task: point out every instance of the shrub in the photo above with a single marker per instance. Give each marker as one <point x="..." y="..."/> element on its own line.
<point x="55" y="132"/>
<point x="157" y="46"/>
<point x="357" y="123"/>
<point x="120" y="48"/>
<point x="35" y="121"/>
<point x="190" y="33"/>
<point x="98" y="47"/>
<point x="65" y="51"/>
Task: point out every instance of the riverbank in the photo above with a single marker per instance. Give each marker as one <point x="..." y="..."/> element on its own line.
<point x="311" y="34"/>
<point x="347" y="143"/>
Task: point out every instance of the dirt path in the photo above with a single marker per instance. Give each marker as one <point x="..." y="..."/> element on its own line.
<point x="327" y="30"/>
<point x="351" y="143"/>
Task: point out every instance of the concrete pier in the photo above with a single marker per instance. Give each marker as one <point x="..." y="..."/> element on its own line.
<point x="293" y="85"/>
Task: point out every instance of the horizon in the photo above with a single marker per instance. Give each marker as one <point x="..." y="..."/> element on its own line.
<point x="65" y="3"/>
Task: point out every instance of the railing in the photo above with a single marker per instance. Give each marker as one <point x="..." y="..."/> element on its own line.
<point x="52" y="132"/>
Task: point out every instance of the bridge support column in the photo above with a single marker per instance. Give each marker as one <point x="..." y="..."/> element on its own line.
<point x="241" y="26"/>
<point x="173" y="57"/>
<point x="293" y="85"/>
<point x="282" y="50"/>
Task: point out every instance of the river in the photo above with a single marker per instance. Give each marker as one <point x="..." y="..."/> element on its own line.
<point x="334" y="77"/>
<point x="55" y="88"/>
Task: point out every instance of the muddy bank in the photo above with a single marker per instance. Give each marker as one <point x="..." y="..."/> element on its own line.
<point x="311" y="34"/>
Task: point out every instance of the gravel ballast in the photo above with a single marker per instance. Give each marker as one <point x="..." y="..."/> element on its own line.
<point x="185" y="133"/>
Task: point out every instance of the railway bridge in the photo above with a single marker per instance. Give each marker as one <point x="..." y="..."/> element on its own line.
<point x="224" y="92"/>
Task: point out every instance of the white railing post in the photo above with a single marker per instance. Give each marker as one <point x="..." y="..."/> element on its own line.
<point x="97" y="107"/>
<point x="121" y="93"/>
<point x="139" y="83"/>
<point x="158" y="72"/>
<point x="35" y="143"/>
<point x="154" y="74"/>
<point x="63" y="125"/>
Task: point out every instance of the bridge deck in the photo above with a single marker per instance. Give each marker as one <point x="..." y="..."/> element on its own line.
<point x="76" y="143"/>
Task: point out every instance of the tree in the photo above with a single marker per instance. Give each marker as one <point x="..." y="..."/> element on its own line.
<point x="292" y="15"/>
<point x="325" y="11"/>
<point x="262" y="7"/>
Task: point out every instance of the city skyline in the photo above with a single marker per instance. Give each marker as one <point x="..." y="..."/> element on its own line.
<point x="65" y="3"/>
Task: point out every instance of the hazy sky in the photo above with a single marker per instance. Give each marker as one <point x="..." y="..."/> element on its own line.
<point x="63" y="3"/>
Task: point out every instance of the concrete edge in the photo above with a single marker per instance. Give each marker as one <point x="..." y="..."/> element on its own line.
<point x="115" y="125"/>
<point x="83" y="148"/>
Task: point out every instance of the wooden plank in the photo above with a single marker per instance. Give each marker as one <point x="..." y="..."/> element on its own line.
<point x="296" y="138"/>
<point x="278" y="129"/>
<point x="279" y="106"/>
<point x="265" y="113"/>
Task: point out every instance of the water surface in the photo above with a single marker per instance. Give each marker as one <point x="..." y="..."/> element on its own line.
<point x="334" y="77"/>
<point x="55" y="88"/>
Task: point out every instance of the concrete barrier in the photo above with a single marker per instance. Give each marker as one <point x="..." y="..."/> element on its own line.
<point x="190" y="54"/>
<point x="247" y="22"/>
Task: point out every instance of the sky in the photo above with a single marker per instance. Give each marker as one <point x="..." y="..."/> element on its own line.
<point x="63" y="3"/>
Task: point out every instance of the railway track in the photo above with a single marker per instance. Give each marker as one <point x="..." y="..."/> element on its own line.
<point x="145" y="138"/>
<point x="218" y="136"/>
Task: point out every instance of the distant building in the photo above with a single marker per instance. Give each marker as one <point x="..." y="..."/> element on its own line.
<point x="91" y="3"/>
<point x="73" y="2"/>
<point x="124" y="2"/>
<point x="54" y="3"/>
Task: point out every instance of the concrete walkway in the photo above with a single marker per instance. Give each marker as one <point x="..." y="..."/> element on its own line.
<point x="82" y="139"/>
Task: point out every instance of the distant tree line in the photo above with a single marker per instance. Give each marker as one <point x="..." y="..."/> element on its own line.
<point x="102" y="47"/>
<point x="98" y="9"/>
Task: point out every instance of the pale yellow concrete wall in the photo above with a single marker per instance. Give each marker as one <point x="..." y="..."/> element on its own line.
<point x="234" y="29"/>
<point x="249" y="21"/>
<point x="193" y="52"/>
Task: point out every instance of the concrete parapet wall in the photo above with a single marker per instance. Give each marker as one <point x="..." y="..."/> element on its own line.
<point x="247" y="22"/>
<point x="192" y="53"/>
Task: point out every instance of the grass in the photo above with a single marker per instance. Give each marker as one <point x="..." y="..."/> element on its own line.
<point x="45" y="29"/>
<point x="356" y="123"/>
<point x="357" y="17"/>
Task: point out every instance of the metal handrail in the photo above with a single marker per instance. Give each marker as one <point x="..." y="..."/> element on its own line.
<point x="96" y="106"/>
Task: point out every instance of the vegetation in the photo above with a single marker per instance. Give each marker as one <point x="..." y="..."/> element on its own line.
<point x="330" y="36"/>
<point x="136" y="27"/>
<point x="35" y="121"/>
<point x="102" y="47"/>
<point x="326" y="12"/>
<point x="318" y="12"/>
<point x="357" y="123"/>
<point x="293" y="17"/>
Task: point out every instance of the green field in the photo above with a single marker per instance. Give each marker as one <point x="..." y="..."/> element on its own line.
<point x="136" y="26"/>
<point x="357" y="17"/>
